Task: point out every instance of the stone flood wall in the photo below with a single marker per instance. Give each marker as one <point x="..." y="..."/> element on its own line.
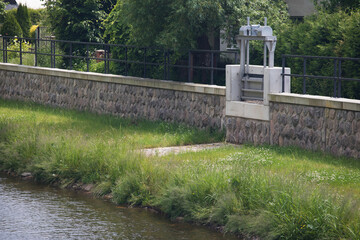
<point x="191" y="104"/>
<point x="241" y="130"/>
<point x="316" y="128"/>
<point x="315" y="123"/>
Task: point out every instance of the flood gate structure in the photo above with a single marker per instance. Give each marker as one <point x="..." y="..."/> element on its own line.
<point x="248" y="86"/>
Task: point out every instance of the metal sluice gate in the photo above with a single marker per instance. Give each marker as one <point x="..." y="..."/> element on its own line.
<point x="252" y="84"/>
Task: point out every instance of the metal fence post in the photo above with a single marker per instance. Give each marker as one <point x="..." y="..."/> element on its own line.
<point x="165" y="77"/>
<point x="87" y="57"/>
<point x="51" y="54"/>
<point x="36" y="49"/>
<point x="283" y="73"/>
<point x="54" y="54"/>
<point x="107" y="56"/>
<point x="304" y="78"/>
<point x="190" y="67"/>
<point x="144" y="62"/>
<point x="212" y="69"/>
<point x="71" y="56"/>
<point x="126" y="61"/>
<point x="3" y="41"/>
<point x="339" y="79"/>
<point x="20" y="41"/>
<point x="335" y="75"/>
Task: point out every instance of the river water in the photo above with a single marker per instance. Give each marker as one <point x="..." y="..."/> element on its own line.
<point x="31" y="211"/>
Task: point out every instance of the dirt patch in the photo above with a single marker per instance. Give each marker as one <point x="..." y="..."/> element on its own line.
<point x="180" y="149"/>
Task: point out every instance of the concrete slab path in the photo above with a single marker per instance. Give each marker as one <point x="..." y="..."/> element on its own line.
<point x="180" y="149"/>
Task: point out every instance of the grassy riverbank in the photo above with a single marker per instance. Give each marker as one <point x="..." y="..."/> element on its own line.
<point x="269" y="192"/>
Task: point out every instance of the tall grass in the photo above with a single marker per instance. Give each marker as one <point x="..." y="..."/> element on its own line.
<point x="269" y="192"/>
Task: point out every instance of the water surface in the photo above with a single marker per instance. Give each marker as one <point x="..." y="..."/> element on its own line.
<point x="31" y="211"/>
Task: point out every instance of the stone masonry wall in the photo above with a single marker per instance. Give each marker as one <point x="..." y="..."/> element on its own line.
<point x="192" y="108"/>
<point x="316" y="128"/>
<point x="242" y="130"/>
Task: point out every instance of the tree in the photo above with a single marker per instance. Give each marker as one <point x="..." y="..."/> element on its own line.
<point x="36" y="15"/>
<point x="23" y="18"/>
<point x="11" y="27"/>
<point x="324" y="34"/>
<point x="2" y="11"/>
<point x="335" y="5"/>
<point x="179" y="24"/>
<point x="75" y="20"/>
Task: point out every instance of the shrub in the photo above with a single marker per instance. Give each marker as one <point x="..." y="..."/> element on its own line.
<point x="11" y="27"/>
<point x="33" y="30"/>
<point x="323" y="34"/>
<point x="23" y="18"/>
<point x="36" y="15"/>
<point x="15" y="46"/>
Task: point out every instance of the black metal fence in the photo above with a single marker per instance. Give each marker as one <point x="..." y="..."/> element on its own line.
<point x="328" y="76"/>
<point x="202" y="66"/>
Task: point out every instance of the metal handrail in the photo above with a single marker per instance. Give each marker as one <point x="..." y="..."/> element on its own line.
<point x="163" y="60"/>
<point x="337" y="77"/>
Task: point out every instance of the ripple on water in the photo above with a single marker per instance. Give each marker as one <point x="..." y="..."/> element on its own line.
<point x="29" y="211"/>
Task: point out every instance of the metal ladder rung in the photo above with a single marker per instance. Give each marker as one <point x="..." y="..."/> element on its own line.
<point x="257" y="80"/>
<point x="252" y="90"/>
<point x="252" y="98"/>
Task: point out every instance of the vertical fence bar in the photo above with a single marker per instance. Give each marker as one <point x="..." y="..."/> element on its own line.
<point x="20" y="41"/>
<point x="212" y="69"/>
<point x="87" y="57"/>
<point x="145" y="62"/>
<point x="54" y="58"/>
<point x="190" y="67"/>
<point x="38" y="36"/>
<point x="339" y="79"/>
<point x="36" y="49"/>
<point x="4" y="46"/>
<point x="51" y="54"/>
<point x="126" y="61"/>
<point x="168" y="65"/>
<point x="71" y="57"/>
<point x="104" y="57"/>
<point x="165" y="77"/>
<point x="108" y="59"/>
<point x="283" y="73"/>
<point x="335" y="75"/>
<point x="304" y="78"/>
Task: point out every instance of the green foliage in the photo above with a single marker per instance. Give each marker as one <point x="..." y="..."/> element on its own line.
<point x="11" y="27"/>
<point x="14" y="45"/>
<point x="33" y="31"/>
<point x="75" y="20"/>
<point x="2" y="11"/>
<point x="186" y="24"/>
<point x="23" y="18"/>
<point x="180" y="26"/>
<point x="323" y="34"/>
<point x="336" y="5"/>
<point x="44" y="58"/>
<point x="37" y="16"/>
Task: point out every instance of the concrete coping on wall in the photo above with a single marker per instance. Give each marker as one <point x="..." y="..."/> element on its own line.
<point x="316" y="101"/>
<point x="110" y="78"/>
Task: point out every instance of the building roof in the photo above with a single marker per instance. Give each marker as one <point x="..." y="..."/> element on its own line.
<point x="12" y="2"/>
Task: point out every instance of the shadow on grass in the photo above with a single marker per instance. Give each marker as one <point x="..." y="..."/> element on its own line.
<point x="93" y="124"/>
<point x="314" y="156"/>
